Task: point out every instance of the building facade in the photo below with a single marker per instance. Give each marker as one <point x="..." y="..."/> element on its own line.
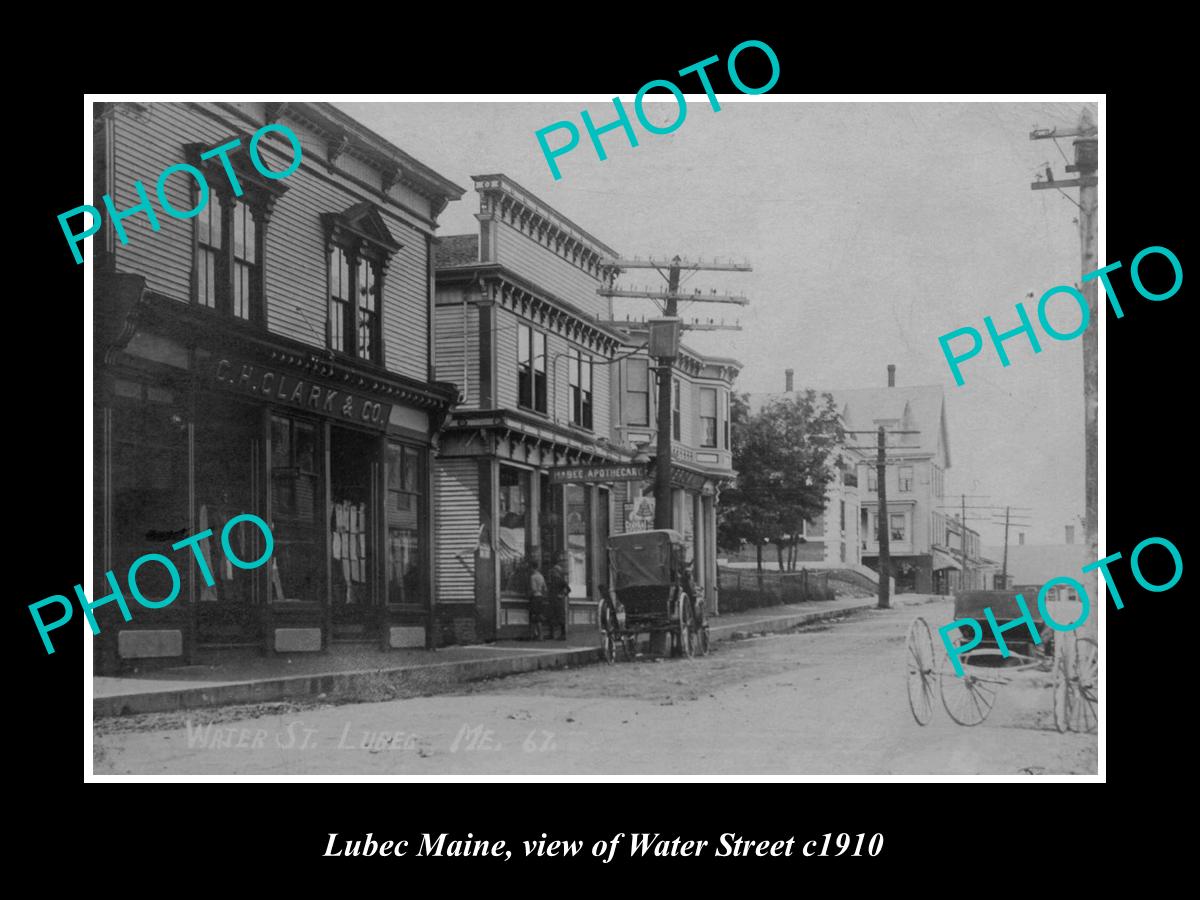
<point x="701" y="448"/>
<point x="948" y="537"/>
<point x="546" y="454"/>
<point x="271" y="354"/>
<point x="520" y="330"/>
<point x="917" y="464"/>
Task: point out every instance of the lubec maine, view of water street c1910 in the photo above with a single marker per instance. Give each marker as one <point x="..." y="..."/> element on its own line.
<point x="658" y="458"/>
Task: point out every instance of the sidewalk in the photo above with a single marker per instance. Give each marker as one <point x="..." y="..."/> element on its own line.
<point x="369" y="674"/>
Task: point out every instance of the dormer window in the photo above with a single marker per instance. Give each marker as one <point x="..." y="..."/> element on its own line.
<point x="360" y="246"/>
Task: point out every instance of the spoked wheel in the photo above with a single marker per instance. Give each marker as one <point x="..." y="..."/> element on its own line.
<point x="700" y="631"/>
<point x="968" y="698"/>
<point x="922" y="679"/>
<point x="608" y="637"/>
<point x="687" y="637"/>
<point x="1064" y="646"/>
<point x="1086" y="684"/>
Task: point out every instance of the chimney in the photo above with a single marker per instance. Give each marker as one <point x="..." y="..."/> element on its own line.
<point x="891" y="375"/>
<point x="1070" y="534"/>
<point x="788" y="374"/>
<point x="1020" y="537"/>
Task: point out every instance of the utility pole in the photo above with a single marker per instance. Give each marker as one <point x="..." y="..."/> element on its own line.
<point x="663" y="507"/>
<point x="962" y="543"/>
<point x="664" y="347"/>
<point x="1004" y="565"/>
<point x="881" y="463"/>
<point x="884" y="536"/>
<point x="1086" y="165"/>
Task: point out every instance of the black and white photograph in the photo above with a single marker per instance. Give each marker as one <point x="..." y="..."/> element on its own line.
<point x="676" y="435"/>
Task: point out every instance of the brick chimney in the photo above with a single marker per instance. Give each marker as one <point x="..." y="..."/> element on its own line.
<point x="891" y="375"/>
<point x="788" y="375"/>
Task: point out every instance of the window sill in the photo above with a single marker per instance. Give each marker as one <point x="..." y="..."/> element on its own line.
<point x="343" y="357"/>
<point x="536" y="412"/>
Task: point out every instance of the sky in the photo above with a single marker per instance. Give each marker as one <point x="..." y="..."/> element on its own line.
<point x="872" y="229"/>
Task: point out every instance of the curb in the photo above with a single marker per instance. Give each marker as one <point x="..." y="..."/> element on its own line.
<point x="407" y="680"/>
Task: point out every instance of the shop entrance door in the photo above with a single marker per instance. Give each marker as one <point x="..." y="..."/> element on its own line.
<point x="353" y="467"/>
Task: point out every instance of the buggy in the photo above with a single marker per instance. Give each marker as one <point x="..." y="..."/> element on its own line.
<point x="652" y="593"/>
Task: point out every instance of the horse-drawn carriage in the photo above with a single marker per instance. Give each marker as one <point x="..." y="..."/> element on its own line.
<point x="652" y="593"/>
<point x="968" y="697"/>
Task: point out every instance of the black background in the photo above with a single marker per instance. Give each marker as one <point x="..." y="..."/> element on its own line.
<point x="927" y="826"/>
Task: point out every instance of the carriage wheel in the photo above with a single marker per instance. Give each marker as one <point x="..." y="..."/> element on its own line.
<point x="968" y="698"/>
<point x="922" y="679"/>
<point x="1063" y="647"/>
<point x="608" y="647"/>
<point x="1086" y="684"/>
<point x="687" y="638"/>
<point x="700" y="630"/>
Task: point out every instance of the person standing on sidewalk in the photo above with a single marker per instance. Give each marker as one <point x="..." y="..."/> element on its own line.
<point x="537" y="601"/>
<point x="559" y="590"/>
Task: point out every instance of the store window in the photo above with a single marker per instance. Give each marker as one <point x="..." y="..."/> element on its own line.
<point x="516" y="525"/>
<point x="299" y="558"/>
<point x="531" y="368"/>
<point x="404" y="504"/>
<point x="149" y="472"/>
<point x="637" y="391"/>
<point x="708" y="417"/>
<point x="228" y="442"/>
<point x="580" y="378"/>
<point x="578" y="532"/>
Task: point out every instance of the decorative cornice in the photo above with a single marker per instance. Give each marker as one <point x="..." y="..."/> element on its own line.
<point x="503" y="199"/>
<point x="494" y="283"/>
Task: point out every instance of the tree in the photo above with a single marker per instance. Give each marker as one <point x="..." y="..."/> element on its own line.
<point x="784" y="456"/>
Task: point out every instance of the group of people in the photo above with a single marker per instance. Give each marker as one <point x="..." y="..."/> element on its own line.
<point x="548" y="600"/>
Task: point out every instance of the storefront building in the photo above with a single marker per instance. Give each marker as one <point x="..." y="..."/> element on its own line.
<point x="701" y="449"/>
<point x="519" y="473"/>
<point x="271" y="355"/>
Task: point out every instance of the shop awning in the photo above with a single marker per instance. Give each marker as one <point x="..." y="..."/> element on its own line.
<point x="945" y="561"/>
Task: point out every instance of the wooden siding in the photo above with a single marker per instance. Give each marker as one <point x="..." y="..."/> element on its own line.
<point x="506" y="359"/>
<point x="448" y="351"/>
<point x="456" y="493"/>
<point x="295" y="247"/>
<point x="545" y="268"/>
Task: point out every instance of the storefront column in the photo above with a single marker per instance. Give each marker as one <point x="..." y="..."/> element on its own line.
<point x="710" y="553"/>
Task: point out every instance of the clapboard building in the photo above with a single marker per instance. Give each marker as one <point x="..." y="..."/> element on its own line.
<point x="521" y="330"/>
<point x="270" y="355"/>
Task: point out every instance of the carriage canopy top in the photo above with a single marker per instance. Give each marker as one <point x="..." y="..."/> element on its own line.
<point x="644" y="558"/>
